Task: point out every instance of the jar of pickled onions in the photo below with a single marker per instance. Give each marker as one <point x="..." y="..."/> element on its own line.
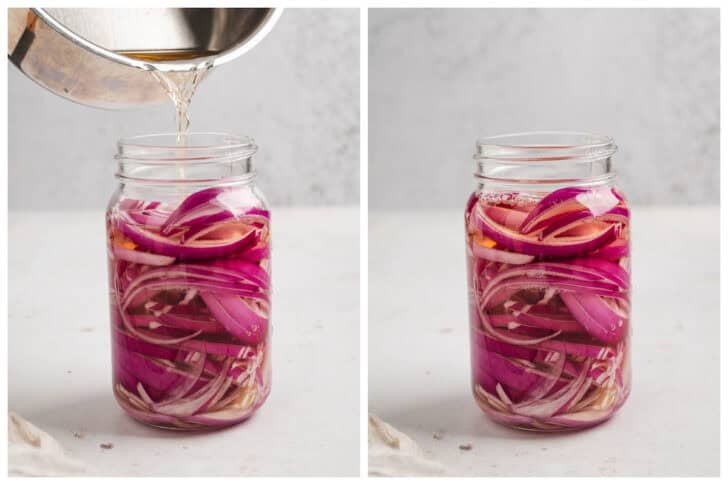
<point x="188" y="236"/>
<point x="548" y="269"/>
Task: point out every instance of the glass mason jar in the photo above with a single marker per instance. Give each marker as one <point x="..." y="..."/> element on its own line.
<point x="189" y="274"/>
<point x="547" y="237"/>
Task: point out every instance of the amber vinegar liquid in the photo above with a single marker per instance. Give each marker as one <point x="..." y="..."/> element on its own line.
<point x="168" y="55"/>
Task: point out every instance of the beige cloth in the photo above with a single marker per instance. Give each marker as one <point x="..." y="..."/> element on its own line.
<point x="394" y="454"/>
<point x="33" y="452"/>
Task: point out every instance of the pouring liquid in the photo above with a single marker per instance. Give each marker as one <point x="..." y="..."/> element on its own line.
<point x="179" y="86"/>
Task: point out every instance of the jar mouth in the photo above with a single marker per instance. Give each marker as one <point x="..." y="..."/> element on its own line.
<point x="200" y="157"/>
<point x="196" y="148"/>
<point x="545" y="146"/>
<point x="545" y="158"/>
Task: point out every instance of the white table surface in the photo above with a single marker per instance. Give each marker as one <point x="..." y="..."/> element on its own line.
<point x="419" y="367"/>
<point x="59" y="353"/>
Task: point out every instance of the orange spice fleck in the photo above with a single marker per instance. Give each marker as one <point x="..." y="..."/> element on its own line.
<point x="485" y="241"/>
<point x="125" y="243"/>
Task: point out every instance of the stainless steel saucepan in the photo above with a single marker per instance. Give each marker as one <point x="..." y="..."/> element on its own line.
<point x="103" y="57"/>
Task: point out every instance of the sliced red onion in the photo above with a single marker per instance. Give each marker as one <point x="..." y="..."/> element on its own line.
<point x="603" y="321"/>
<point x="257" y="211"/>
<point x="246" y="271"/>
<point x="145" y="370"/>
<point x="190" y="309"/>
<point x="192" y="202"/>
<point x="194" y="226"/>
<point x="150" y="218"/>
<point x="238" y="316"/>
<point x="470" y="203"/>
<point x="524" y="316"/>
<point x="226" y="416"/>
<point x="607" y="270"/>
<point x="197" y="249"/>
<point x="180" y="322"/>
<point x="554" y="364"/>
<point x="211" y="347"/>
<point x="508" y="372"/>
<point x="190" y="379"/>
<point x="582" y="419"/>
<point x="561" y="247"/>
<point x="133" y="298"/>
<point x="146" y="416"/>
<point x="142" y="347"/>
<point x="506" y="217"/>
<point x="187" y="406"/>
<point x="613" y="251"/>
<point x="561" y="224"/>
<point x="255" y="254"/>
<point x="544" y="408"/>
<point x="556" y="199"/>
<point x="488" y="345"/>
<point x="140" y="257"/>
<point x="561" y="284"/>
<point x="581" y="349"/>
<point x="510" y="337"/>
<point x="501" y="256"/>
<point x="549" y="297"/>
<point x="501" y="416"/>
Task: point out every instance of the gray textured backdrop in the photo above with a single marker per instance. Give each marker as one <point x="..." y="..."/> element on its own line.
<point x="439" y="79"/>
<point x="297" y="93"/>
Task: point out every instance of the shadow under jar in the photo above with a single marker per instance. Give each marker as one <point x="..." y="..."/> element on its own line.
<point x="189" y="273"/>
<point x="547" y="236"/>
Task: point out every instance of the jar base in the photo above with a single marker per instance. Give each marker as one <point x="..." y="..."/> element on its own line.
<point x="534" y="426"/>
<point x="171" y="423"/>
<point x="181" y="429"/>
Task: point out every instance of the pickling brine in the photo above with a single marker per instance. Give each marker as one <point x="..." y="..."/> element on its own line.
<point x="549" y="288"/>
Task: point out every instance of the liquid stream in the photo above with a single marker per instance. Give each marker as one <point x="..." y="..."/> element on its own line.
<point x="179" y="86"/>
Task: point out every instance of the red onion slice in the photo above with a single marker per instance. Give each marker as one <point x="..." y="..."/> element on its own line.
<point x="544" y="408"/>
<point x="506" y="217"/>
<point x="560" y="247"/>
<point x="197" y="249"/>
<point x="140" y="257"/>
<point x="187" y="406"/>
<point x="613" y="251"/>
<point x="192" y="202"/>
<point x="555" y="199"/>
<point x="602" y="320"/>
<point x="500" y="256"/>
<point x="239" y="317"/>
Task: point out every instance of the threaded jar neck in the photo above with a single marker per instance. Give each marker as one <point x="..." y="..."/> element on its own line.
<point x="545" y="157"/>
<point x="201" y="158"/>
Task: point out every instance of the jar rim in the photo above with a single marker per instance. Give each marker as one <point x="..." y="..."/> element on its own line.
<point x="199" y="148"/>
<point x="545" y="146"/>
